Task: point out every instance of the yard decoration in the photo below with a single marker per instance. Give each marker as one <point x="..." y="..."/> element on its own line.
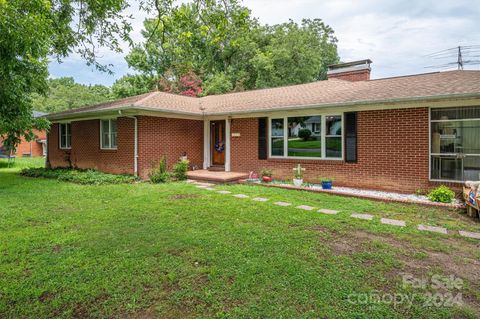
<point x="266" y="175"/>
<point x="326" y="182"/>
<point x="298" y="175"/>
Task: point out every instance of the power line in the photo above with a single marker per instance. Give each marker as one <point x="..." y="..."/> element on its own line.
<point x="464" y="55"/>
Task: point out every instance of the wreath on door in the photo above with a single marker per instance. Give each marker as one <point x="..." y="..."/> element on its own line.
<point x="219" y="147"/>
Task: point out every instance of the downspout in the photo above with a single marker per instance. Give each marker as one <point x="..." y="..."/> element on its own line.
<point x="135" y="143"/>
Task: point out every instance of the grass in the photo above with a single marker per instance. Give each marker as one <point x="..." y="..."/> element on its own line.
<point x="175" y="251"/>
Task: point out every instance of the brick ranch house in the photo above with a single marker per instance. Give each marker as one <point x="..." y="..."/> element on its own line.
<point x="402" y="133"/>
<point x="37" y="147"/>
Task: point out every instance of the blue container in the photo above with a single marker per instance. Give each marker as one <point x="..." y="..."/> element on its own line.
<point x="327" y="185"/>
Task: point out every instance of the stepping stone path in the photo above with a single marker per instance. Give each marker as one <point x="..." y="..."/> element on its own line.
<point x="328" y="211"/>
<point x="469" y="234"/>
<point x="434" y="229"/>
<point x="393" y="222"/>
<point x="386" y="221"/>
<point x="282" y="204"/>
<point x="305" y="207"/>
<point x="362" y="216"/>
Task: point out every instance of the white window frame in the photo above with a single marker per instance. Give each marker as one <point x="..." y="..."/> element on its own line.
<point x="109" y="147"/>
<point x="430" y="154"/>
<point x="322" y="138"/>
<point x="67" y="146"/>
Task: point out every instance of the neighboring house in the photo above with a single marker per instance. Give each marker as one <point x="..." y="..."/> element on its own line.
<point x="37" y="147"/>
<point x="402" y="133"/>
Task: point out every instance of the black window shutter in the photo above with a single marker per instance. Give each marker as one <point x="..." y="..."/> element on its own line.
<point x="262" y="138"/>
<point x="351" y="137"/>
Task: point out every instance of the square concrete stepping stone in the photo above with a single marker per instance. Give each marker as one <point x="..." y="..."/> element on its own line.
<point x="260" y="199"/>
<point x="224" y="192"/>
<point x="328" y="211"/>
<point x="241" y="196"/>
<point x="434" y="229"/>
<point x="282" y="204"/>
<point x="469" y="234"/>
<point x="201" y="186"/>
<point x="394" y="222"/>
<point x="362" y="216"/>
<point x="210" y="189"/>
<point x="204" y="184"/>
<point x="305" y="207"/>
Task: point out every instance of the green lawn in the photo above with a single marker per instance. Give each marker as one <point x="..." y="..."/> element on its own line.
<point x="176" y="251"/>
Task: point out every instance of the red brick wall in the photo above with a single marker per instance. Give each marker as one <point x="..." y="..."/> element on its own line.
<point x="171" y="137"/>
<point x="32" y="148"/>
<point x="392" y="153"/>
<point x="86" y="152"/>
<point x="361" y="75"/>
<point x="156" y="137"/>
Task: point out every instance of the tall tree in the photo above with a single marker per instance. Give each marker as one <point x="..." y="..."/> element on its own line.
<point x="33" y="30"/>
<point x="64" y="93"/>
<point x="200" y="37"/>
<point x="129" y="85"/>
<point x="220" y="42"/>
<point x="295" y="53"/>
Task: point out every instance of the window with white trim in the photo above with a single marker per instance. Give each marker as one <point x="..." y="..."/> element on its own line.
<point x="108" y="134"/>
<point x="455" y="144"/>
<point x="315" y="137"/>
<point x="65" y="133"/>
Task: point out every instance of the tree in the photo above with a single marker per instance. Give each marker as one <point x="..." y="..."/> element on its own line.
<point x="30" y="32"/>
<point x="295" y="54"/>
<point x="220" y="42"/>
<point x="64" y="94"/>
<point x="201" y="37"/>
<point x="129" y="85"/>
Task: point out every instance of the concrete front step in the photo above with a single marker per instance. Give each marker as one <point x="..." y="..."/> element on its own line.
<point x="216" y="176"/>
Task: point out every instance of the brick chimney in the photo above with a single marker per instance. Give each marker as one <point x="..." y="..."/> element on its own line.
<point x="350" y="71"/>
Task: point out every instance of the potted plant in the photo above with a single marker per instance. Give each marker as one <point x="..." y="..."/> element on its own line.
<point x="298" y="175"/>
<point x="266" y="175"/>
<point x="326" y="182"/>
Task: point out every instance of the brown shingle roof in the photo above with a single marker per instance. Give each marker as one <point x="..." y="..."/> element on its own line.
<point x="331" y="92"/>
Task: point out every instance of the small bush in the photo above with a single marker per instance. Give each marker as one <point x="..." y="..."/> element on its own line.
<point x="304" y="134"/>
<point x="78" y="176"/>
<point x="180" y="170"/>
<point x="441" y="194"/>
<point x="159" y="172"/>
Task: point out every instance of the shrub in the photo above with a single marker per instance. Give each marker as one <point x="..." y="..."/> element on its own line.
<point x="78" y="176"/>
<point x="441" y="194"/>
<point x="304" y="134"/>
<point x="159" y="172"/>
<point x="180" y="170"/>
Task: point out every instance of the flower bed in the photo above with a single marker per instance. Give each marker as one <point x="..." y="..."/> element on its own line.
<point x="365" y="193"/>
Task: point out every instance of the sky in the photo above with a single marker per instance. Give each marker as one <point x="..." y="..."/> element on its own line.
<point x="398" y="36"/>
